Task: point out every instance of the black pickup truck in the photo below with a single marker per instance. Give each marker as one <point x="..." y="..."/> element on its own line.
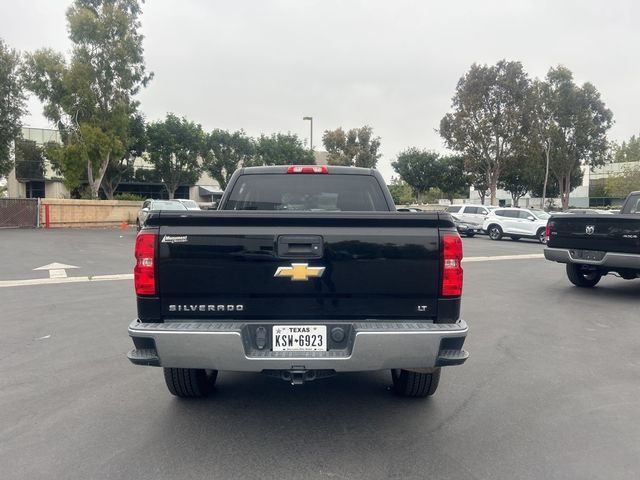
<point x="304" y="272"/>
<point x="596" y="245"/>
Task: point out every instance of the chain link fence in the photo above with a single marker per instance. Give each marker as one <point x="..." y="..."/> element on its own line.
<point x="19" y="212"/>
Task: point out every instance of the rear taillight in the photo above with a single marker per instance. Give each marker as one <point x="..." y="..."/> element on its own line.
<point x="308" y="169"/>
<point x="451" y="265"/>
<point x="547" y="231"/>
<point x="144" y="273"/>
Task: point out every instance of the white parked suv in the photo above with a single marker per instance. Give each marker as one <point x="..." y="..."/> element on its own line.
<point x="516" y="223"/>
<point x="474" y="214"/>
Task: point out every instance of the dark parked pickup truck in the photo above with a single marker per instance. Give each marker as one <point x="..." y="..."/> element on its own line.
<point x="304" y="272"/>
<point x="595" y="245"/>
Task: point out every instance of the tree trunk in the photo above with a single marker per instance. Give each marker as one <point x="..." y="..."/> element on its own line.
<point x="567" y="191"/>
<point x="94" y="183"/>
<point x="108" y="189"/>
<point x="492" y="189"/>
<point x="546" y="177"/>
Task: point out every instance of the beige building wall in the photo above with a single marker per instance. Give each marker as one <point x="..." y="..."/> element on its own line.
<point x="56" y="189"/>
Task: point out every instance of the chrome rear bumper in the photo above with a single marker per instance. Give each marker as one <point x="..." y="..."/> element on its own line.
<point x="225" y="346"/>
<point x="610" y="259"/>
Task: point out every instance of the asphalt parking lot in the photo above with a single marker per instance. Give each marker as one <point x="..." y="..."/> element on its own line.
<point x="551" y="391"/>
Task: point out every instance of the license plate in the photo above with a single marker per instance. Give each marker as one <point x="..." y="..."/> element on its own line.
<point x="303" y="338"/>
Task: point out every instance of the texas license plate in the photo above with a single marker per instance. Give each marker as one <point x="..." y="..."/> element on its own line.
<point x="305" y="338"/>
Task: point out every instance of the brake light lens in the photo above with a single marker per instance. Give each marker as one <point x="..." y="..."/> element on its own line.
<point x="452" y="275"/>
<point x="308" y="169"/>
<point x="144" y="273"/>
<point x="547" y="231"/>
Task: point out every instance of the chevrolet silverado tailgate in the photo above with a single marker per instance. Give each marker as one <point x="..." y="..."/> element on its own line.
<point x="268" y="265"/>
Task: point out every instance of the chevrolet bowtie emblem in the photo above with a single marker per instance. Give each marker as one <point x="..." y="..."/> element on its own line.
<point x="299" y="272"/>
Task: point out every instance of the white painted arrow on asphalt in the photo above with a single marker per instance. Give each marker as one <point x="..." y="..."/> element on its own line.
<point x="56" y="270"/>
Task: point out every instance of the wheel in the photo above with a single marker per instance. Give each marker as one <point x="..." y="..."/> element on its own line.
<point x="515" y="238"/>
<point x="190" y="382"/>
<point x="582" y="277"/>
<point x="470" y="235"/>
<point x="542" y="236"/>
<point x="495" y="232"/>
<point x="414" y="384"/>
<point x="138" y="227"/>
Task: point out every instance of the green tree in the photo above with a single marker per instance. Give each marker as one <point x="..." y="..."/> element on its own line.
<point x="122" y="168"/>
<point x="281" y="149"/>
<point x="489" y="117"/>
<point x="12" y="104"/>
<point x="433" y="195"/>
<point x="355" y="148"/>
<point x="627" y="151"/>
<point x="619" y="186"/>
<point x="452" y="179"/>
<point x="580" y="124"/>
<point x="478" y="180"/>
<point x="544" y="128"/>
<point x="29" y="160"/>
<point x="70" y="161"/>
<point x="175" y="146"/>
<point x="226" y="152"/>
<point x="401" y="192"/>
<point x="91" y="97"/>
<point x="418" y="169"/>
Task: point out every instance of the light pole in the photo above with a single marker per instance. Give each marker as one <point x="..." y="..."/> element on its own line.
<point x="311" y="126"/>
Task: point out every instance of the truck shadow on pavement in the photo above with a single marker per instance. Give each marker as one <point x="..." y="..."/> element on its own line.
<point x="619" y="289"/>
<point x="346" y="405"/>
<point x="347" y="426"/>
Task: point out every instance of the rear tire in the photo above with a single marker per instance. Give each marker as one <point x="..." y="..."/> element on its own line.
<point x="515" y="238"/>
<point x="542" y="236"/>
<point x="495" y="232"/>
<point x="138" y="227"/>
<point x="582" y="278"/>
<point x="413" y="384"/>
<point x="190" y="382"/>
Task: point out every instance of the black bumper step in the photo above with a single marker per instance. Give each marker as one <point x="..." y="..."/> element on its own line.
<point x="144" y="356"/>
<point x="447" y="358"/>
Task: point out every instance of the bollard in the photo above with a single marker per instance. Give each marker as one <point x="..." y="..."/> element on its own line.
<point x="123" y="226"/>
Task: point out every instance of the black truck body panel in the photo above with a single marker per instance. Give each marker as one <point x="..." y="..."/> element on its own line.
<point x="378" y="265"/>
<point x="607" y="233"/>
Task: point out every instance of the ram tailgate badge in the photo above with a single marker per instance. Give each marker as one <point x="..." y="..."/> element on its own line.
<point x="299" y="272"/>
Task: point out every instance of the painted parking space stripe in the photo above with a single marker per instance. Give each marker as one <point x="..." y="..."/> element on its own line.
<point x="57" y="280"/>
<point x="503" y="257"/>
<point x="129" y="276"/>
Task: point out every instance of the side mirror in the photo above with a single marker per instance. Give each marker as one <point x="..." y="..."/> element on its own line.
<point x="145" y="209"/>
<point x="531" y="217"/>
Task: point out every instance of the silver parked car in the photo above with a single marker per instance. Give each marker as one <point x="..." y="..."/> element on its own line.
<point x="471" y="214"/>
<point x="151" y="205"/>
<point x="189" y="204"/>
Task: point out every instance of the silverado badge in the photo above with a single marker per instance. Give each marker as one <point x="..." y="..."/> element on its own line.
<point x="299" y="272"/>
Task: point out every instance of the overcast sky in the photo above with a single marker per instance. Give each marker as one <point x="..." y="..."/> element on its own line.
<point x="262" y="65"/>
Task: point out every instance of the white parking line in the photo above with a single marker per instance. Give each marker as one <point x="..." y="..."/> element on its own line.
<point x="51" y="281"/>
<point x="503" y="257"/>
<point x="129" y="276"/>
